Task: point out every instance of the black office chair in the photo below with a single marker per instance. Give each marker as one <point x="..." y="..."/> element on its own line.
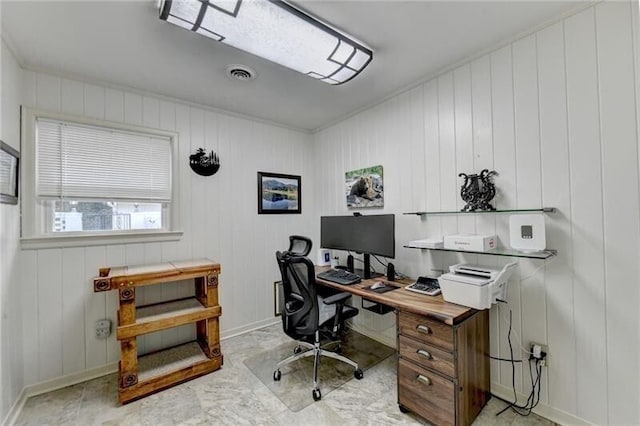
<point x="299" y="245"/>
<point x="301" y="316"/>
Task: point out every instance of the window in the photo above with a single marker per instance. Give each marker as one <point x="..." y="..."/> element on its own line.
<point x="96" y="179"/>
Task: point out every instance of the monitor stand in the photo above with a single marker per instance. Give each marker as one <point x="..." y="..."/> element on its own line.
<point x="365" y="273"/>
<point x="362" y="274"/>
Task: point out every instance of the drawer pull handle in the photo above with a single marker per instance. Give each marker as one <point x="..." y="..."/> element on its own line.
<point x="424" y="353"/>
<point x="424" y="380"/>
<point x="423" y="329"/>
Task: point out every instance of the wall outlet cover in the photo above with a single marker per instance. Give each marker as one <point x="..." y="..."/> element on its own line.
<point x="103" y="328"/>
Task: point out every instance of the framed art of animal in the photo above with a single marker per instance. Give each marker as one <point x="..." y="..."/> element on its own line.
<point x="364" y="187"/>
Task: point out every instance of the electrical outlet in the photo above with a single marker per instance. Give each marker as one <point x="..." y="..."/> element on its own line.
<point x="103" y="328"/>
<point x="540" y="352"/>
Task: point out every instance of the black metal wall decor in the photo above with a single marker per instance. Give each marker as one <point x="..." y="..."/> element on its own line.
<point x="203" y="164"/>
<point x="478" y="190"/>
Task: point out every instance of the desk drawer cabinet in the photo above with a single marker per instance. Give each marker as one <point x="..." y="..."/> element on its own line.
<point x="427" y="356"/>
<point x="426" y="393"/>
<point x="426" y="330"/>
<point x="443" y="370"/>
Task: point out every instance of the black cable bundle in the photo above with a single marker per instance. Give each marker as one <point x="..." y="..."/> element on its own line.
<point x="534" y="396"/>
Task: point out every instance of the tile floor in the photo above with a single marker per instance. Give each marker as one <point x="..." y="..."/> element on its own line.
<point x="234" y="396"/>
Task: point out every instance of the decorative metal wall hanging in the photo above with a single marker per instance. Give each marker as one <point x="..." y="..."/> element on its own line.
<point x="203" y="164"/>
<point x="478" y="190"/>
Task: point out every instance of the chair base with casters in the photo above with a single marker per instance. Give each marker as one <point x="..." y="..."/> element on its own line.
<point x="316" y="351"/>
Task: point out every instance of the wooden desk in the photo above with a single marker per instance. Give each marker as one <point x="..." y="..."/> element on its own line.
<point x="443" y="352"/>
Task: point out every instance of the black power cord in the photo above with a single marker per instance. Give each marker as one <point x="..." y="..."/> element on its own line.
<point x="386" y="265"/>
<point x="534" y="396"/>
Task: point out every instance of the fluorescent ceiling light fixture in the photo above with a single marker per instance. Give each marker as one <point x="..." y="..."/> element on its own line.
<point x="274" y="30"/>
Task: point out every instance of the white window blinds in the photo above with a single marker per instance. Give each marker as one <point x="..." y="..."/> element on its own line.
<point x="89" y="162"/>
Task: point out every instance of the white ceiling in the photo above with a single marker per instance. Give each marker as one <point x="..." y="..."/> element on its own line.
<point x="125" y="43"/>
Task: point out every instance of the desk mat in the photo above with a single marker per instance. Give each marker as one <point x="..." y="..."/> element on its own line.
<point x="294" y="388"/>
<point x="384" y="289"/>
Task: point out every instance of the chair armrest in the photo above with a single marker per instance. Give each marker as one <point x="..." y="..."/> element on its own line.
<point x="339" y="297"/>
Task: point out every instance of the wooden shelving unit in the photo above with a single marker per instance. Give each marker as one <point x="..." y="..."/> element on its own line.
<point x="143" y="375"/>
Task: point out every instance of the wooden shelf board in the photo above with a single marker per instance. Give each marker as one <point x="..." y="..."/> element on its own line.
<point x="169" y="360"/>
<point x="166" y="315"/>
<point x="197" y="265"/>
<point x="169" y="309"/>
<point x="142" y="275"/>
<point x="166" y="368"/>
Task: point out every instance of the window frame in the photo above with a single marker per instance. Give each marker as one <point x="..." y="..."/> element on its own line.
<point x="34" y="213"/>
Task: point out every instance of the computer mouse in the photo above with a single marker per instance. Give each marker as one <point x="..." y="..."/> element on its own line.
<point x="377" y="285"/>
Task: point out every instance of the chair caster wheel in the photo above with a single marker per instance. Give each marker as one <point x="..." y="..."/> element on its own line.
<point x="297" y="350"/>
<point x="338" y="349"/>
<point x="277" y="375"/>
<point x="317" y="396"/>
<point x="403" y="409"/>
<point x="358" y="374"/>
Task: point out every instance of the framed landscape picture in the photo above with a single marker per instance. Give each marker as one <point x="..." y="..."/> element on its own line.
<point x="9" y="162"/>
<point x="278" y="193"/>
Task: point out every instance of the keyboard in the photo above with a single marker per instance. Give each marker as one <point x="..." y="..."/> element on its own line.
<point x="339" y="276"/>
<point x="425" y="285"/>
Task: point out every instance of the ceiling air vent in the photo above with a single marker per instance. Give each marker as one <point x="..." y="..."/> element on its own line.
<point x="241" y="72"/>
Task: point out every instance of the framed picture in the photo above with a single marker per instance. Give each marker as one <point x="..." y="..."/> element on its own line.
<point x="278" y="298"/>
<point x="278" y="193"/>
<point x="9" y="169"/>
<point x="364" y="187"/>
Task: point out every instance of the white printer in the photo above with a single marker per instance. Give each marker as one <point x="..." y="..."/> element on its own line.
<point x="475" y="286"/>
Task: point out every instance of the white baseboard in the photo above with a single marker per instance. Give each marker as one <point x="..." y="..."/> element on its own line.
<point x="83" y="376"/>
<point x="15" y="409"/>
<point x="249" y="327"/>
<point x="70" y="379"/>
<point x="543" y="410"/>
<point x="55" y="384"/>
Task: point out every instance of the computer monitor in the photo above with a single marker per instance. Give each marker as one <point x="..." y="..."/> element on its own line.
<point x="370" y="235"/>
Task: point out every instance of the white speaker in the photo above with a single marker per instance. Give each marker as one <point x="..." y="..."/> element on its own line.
<point x="324" y="257"/>
<point x="527" y="232"/>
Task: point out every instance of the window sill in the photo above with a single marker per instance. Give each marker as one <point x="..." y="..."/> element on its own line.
<point x="86" y="240"/>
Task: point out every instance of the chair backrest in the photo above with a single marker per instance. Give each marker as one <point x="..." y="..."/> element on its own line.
<point x="299" y="245"/>
<point x="300" y="311"/>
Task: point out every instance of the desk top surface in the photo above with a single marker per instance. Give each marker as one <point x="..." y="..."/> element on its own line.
<point x="421" y="304"/>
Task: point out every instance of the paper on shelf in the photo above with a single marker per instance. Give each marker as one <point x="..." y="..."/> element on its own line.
<point x="427" y="243"/>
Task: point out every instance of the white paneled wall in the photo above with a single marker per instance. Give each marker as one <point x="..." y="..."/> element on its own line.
<point x="10" y="316"/>
<point x="555" y="114"/>
<point x="218" y="216"/>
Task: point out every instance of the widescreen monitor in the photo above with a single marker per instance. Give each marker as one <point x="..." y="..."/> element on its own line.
<point x="370" y="234"/>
